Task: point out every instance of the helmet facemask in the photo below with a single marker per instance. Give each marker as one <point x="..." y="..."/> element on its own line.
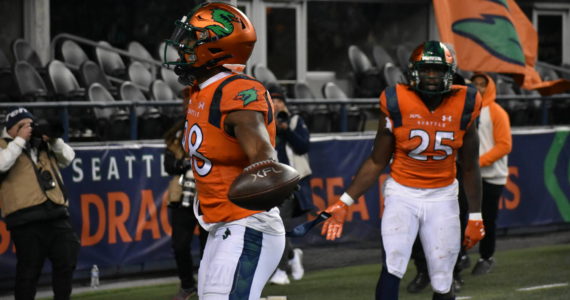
<point x="423" y="74"/>
<point x="185" y="39"/>
<point x="431" y="63"/>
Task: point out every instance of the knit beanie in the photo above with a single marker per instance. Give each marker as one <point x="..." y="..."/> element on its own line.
<point x="14" y="116"/>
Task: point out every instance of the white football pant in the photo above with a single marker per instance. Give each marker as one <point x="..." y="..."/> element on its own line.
<point x="434" y="213"/>
<point x="237" y="262"/>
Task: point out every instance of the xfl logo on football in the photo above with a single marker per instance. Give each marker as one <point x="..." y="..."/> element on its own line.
<point x="264" y="173"/>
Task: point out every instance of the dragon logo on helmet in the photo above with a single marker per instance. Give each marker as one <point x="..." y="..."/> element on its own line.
<point x="225" y="18"/>
<point x="213" y="34"/>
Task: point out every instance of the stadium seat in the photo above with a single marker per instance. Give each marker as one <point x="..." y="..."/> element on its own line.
<point x="392" y="75"/>
<point x="151" y="123"/>
<point x="72" y="54"/>
<point x="504" y="88"/>
<point x="403" y="53"/>
<point x="316" y="116"/>
<point x="381" y="57"/>
<point x="302" y="91"/>
<point x="161" y="91"/>
<point x="332" y="91"/>
<point x="23" y="51"/>
<point x="137" y="49"/>
<point x="29" y="82"/>
<point x="367" y="78"/>
<point x="172" y="80"/>
<point x="65" y="87"/>
<point x="112" y="122"/>
<point x="91" y="73"/>
<point x="64" y="84"/>
<point x="546" y="73"/>
<point x="358" y="60"/>
<point x="263" y="74"/>
<point x="355" y="118"/>
<point x="131" y="92"/>
<point x="140" y="76"/>
<point x="98" y="93"/>
<point x="110" y="62"/>
<point x="171" y="54"/>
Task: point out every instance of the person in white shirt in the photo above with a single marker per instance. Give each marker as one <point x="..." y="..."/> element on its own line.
<point x="34" y="204"/>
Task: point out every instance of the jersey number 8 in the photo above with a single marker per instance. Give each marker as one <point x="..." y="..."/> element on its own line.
<point x="192" y="142"/>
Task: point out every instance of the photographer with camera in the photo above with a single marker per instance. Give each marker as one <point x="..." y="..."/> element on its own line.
<point x="292" y="145"/>
<point x="34" y="204"/>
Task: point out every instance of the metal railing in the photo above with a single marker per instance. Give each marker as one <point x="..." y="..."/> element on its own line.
<point x="67" y="36"/>
<point x="65" y="106"/>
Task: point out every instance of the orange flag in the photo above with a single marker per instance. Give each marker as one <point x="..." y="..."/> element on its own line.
<point x="494" y="36"/>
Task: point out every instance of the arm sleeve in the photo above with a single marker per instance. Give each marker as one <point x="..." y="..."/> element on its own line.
<point x="501" y="136"/>
<point x="64" y="154"/>
<point x="173" y="166"/>
<point x="299" y="137"/>
<point x="9" y="155"/>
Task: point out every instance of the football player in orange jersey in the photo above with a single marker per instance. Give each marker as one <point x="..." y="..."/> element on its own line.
<point x="229" y="126"/>
<point x="424" y="126"/>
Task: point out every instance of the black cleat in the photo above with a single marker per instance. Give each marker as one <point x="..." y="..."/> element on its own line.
<point x="420" y="282"/>
<point x="464" y="262"/>
<point x="483" y="266"/>
<point x="457" y="282"/>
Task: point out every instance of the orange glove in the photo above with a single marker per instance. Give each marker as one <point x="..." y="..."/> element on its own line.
<point x="475" y="230"/>
<point x="332" y="228"/>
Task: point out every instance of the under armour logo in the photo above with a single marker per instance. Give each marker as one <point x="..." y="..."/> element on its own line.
<point x="201" y="105"/>
<point x="227" y="233"/>
<point x="446" y="118"/>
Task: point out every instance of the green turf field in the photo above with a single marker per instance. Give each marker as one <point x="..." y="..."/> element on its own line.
<point x="515" y="269"/>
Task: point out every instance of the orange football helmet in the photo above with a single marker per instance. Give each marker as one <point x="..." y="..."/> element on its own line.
<point x="440" y="61"/>
<point x="213" y="34"/>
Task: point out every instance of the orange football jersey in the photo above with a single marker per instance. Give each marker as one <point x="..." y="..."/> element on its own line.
<point x="426" y="142"/>
<point x="217" y="158"/>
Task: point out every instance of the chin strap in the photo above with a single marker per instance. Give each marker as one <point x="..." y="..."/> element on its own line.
<point x="185" y="76"/>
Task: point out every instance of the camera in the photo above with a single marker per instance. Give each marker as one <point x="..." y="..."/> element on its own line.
<point x="46" y="180"/>
<point x="282" y="117"/>
<point x="52" y="129"/>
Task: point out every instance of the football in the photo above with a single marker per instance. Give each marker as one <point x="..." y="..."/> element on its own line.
<point x="263" y="185"/>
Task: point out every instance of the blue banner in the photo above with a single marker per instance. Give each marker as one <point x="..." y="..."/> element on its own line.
<point x="117" y="200"/>
<point x="537" y="191"/>
<point x="118" y="195"/>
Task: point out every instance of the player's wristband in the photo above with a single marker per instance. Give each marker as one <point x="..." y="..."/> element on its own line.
<point x="346" y="199"/>
<point x="475" y="216"/>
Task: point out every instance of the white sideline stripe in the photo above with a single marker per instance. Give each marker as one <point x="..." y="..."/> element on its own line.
<point x="541" y="287"/>
<point x="463" y="298"/>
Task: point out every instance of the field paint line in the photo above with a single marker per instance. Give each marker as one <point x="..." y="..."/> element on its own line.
<point x="463" y="298"/>
<point x="542" y="287"/>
